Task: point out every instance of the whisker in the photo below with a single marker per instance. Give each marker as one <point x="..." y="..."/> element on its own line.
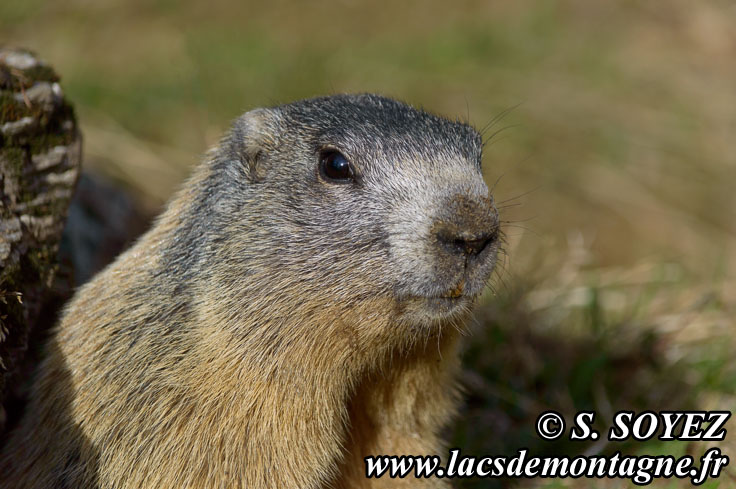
<point x="520" y="195"/>
<point x="498" y="118"/>
<point x="497" y="132"/>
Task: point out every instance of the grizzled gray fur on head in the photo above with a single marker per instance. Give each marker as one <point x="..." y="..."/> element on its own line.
<point x="415" y="222"/>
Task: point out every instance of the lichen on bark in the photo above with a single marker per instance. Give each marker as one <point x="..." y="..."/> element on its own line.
<point x="40" y="153"/>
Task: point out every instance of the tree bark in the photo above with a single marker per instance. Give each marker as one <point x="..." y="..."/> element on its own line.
<point x="40" y="152"/>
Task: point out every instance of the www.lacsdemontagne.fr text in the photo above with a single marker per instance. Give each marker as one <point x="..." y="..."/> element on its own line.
<point x="640" y="469"/>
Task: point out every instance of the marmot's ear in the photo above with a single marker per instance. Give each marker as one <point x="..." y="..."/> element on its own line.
<point x="252" y="136"/>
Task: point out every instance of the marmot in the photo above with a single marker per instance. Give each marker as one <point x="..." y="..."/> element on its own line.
<point x="293" y="310"/>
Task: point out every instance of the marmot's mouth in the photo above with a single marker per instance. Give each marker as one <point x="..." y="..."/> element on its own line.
<point x="455" y="293"/>
<point x="443" y="306"/>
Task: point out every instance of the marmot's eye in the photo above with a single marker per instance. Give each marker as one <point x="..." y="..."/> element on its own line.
<point x="335" y="167"/>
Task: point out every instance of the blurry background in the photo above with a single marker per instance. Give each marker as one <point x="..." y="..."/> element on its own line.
<point x="612" y="129"/>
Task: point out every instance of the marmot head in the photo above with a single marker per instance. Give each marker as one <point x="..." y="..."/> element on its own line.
<point x="337" y="200"/>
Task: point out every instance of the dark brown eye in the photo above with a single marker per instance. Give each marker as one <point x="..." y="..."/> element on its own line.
<point x="335" y="167"/>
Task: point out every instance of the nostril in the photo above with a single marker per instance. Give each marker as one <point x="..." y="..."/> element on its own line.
<point x="477" y="245"/>
<point x="470" y="245"/>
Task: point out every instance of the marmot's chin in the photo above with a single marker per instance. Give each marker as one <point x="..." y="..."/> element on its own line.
<point x="433" y="310"/>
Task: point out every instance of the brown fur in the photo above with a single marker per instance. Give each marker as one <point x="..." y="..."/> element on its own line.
<point x="250" y="365"/>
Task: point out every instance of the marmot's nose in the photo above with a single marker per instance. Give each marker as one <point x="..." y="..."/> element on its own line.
<point x="466" y="226"/>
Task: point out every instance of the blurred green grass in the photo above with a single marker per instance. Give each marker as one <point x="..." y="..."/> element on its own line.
<point x="616" y="160"/>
